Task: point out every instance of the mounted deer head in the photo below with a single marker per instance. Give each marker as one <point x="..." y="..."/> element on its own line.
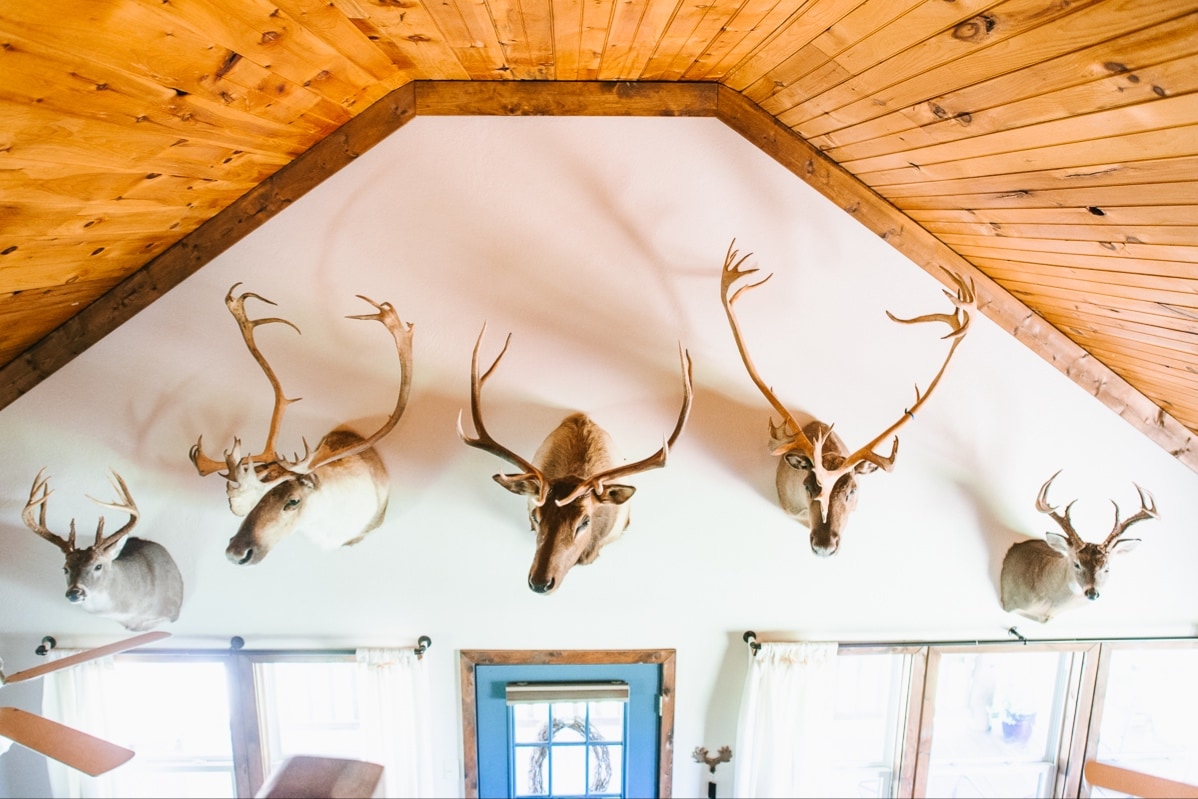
<point x="816" y="479"/>
<point x="335" y="494"/>
<point x="130" y="580"/>
<point x="574" y="504"/>
<point x="1040" y="578"/>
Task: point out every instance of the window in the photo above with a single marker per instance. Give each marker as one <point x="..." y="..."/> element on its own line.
<point x="217" y="724"/>
<point x="1005" y="719"/>
<point x="578" y="724"/>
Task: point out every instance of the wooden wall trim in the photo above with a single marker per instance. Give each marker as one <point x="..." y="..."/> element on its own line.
<point x="908" y="237"/>
<point x="565" y="98"/>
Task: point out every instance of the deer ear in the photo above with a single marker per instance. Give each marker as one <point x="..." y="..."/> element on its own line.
<point x="797" y="460"/>
<point x="1058" y="542"/>
<point x="113" y="550"/>
<point x="1124" y="545"/>
<point x="525" y="484"/>
<point x="617" y="494"/>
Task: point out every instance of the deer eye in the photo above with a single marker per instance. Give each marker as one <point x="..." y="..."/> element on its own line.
<point x="98" y="567"/>
<point x="1077" y="566"/>
<point x="582" y="525"/>
<point x="291" y="503"/>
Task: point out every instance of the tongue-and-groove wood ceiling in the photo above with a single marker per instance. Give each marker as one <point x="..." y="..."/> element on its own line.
<point x="1049" y="149"/>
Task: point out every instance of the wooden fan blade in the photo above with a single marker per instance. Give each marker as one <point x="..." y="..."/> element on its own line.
<point x="91" y="654"/>
<point x="89" y="754"/>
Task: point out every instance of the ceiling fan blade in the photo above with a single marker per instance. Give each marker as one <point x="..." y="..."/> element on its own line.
<point x="89" y="754"/>
<point x="91" y="654"/>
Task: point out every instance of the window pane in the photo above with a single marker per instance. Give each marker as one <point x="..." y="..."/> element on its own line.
<point x="567" y="748"/>
<point x="1148" y="714"/>
<point x="309" y="708"/>
<point x="997" y="724"/>
<point x="175" y="715"/>
<point x="869" y="716"/>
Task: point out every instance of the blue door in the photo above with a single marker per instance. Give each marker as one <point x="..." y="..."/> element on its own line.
<point x="568" y="730"/>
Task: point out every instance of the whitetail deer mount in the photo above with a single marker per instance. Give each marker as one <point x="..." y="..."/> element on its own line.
<point x="816" y="476"/>
<point x="130" y="580"/>
<point x="1041" y="577"/>
<point x="574" y="504"/>
<point x="336" y="494"/>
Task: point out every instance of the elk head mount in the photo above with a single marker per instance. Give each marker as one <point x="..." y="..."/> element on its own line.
<point x="816" y="475"/>
<point x="130" y="580"/>
<point x="336" y="494"/>
<point x="1041" y="577"/>
<point x="574" y="504"/>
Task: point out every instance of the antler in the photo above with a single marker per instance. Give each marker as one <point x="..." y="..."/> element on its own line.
<point x="236" y="305"/>
<point x="402" y="333"/>
<point x="958" y="321"/>
<point x="124" y="502"/>
<point x="732" y="272"/>
<point x="1147" y="511"/>
<point x="655" y="461"/>
<point x="484" y="441"/>
<point x="1064" y="522"/>
<point x="38" y="525"/>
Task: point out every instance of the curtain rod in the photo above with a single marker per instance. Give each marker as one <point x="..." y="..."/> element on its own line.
<point x="237" y="644"/>
<point x="750" y="638"/>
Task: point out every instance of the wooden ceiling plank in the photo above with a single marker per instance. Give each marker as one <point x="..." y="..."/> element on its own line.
<point x="1147" y="256"/>
<point x="1027" y="236"/>
<point x="266" y="35"/>
<point x="1030" y="185"/>
<point x="874" y="32"/>
<point x="742" y="34"/>
<point x="1099" y="197"/>
<point x="537" y="21"/>
<point x="1181" y="293"/>
<point x="596" y="22"/>
<point x="1142" y="59"/>
<point x="98" y="92"/>
<point x="511" y="30"/>
<point x="412" y="35"/>
<point x="174" y="59"/>
<point x="1154" y="114"/>
<point x="1003" y="307"/>
<point x="635" y="29"/>
<point x="468" y="31"/>
<point x="1034" y="294"/>
<point x="1154" y="318"/>
<point x="1173" y="142"/>
<point x="1008" y="37"/>
<point x="565" y="98"/>
<point x="1148" y="365"/>
<point x="806" y="22"/>
<point x="31" y="315"/>
<point x="247" y="213"/>
<point x="1097" y="268"/>
<point x="676" y="58"/>
<point x="329" y="23"/>
<point x="89" y="260"/>
<point x="1160" y="217"/>
<point x="567" y="38"/>
<point x="1128" y="335"/>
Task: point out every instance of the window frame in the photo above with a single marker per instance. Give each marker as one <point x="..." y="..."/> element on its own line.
<point x="469" y="659"/>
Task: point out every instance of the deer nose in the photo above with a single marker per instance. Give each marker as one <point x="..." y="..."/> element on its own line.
<point x="1091" y="593"/>
<point x="76" y="594"/>
<point x="542" y="588"/>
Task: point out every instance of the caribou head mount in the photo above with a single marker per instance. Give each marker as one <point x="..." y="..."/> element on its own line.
<point x="817" y="476"/>
<point x="1041" y="577"/>
<point x="336" y="494"/>
<point x="130" y="580"/>
<point x="575" y="505"/>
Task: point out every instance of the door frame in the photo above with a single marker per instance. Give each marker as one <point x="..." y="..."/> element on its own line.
<point x="470" y="658"/>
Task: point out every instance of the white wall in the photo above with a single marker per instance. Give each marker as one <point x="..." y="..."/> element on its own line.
<point x="598" y="244"/>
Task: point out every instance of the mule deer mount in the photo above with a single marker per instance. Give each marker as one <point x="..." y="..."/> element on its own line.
<point x="130" y="580"/>
<point x="1041" y="577"/>
<point x="336" y="494"/>
<point x="816" y="475"/>
<point x="575" y="505"/>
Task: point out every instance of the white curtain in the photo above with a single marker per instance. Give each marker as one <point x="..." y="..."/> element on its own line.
<point x="79" y="698"/>
<point x="785" y="714"/>
<point x="396" y="707"/>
